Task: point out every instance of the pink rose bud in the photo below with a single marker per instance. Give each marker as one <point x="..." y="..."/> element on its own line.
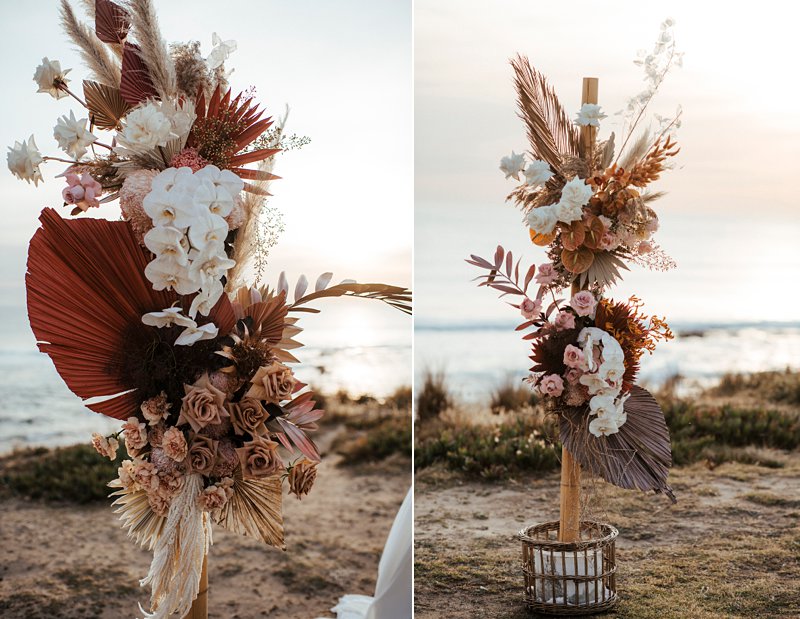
<point x="546" y="274"/>
<point x="583" y="303"/>
<point x="573" y="357"/>
<point x="552" y="385"/>
<point x="564" y="320"/>
<point x="530" y="308"/>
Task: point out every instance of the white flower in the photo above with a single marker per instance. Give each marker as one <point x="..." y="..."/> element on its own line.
<point x="538" y="173"/>
<point x="603" y="426"/>
<point x="222" y="178"/>
<point x="212" y="198"/>
<point x="165" y="272"/>
<point x="169" y="208"/>
<point x="167" y="318"/>
<point x="589" y="115"/>
<point x="167" y="241"/>
<point x="567" y="212"/>
<point x="611" y="371"/>
<point x="594" y="382"/>
<point x="208" y="228"/>
<point x="542" y="219"/>
<point x="181" y="116"/>
<point x="172" y="177"/>
<point x="72" y="135"/>
<point x="49" y="76"/>
<point x="603" y="406"/>
<point x="220" y="52"/>
<point x="210" y="263"/>
<point x="207" y="298"/>
<point x="512" y="165"/>
<point x="576" y="192"/>
<point x="145" y="128"/>
<point x="23" y="160"/>
<point x="193" y="334"/>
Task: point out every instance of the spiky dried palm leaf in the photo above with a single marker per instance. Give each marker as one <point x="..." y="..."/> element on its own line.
<point x="604" y="270"/>
<point x="143" y="525"/>
<point x="111" y="22"/>
<point x="550" y="131"/>
<point x="106" y="105"/>
<point x="636" y="457"/>
<point x="254" y="510"/>
<point x="86" y="294"/>
<point x="95" y="55"/>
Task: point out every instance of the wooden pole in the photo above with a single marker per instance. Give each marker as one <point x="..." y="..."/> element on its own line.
<point x="570" y="509"/>
<point x="199" y="608"/>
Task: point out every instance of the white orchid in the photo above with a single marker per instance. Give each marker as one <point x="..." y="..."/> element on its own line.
<point x="589" y="115"/>
<point x="603" y="406"/>
<point x="165" y="273"/>
<point x="208" y="228"/>
<point x="538" y="173"/>
<point x="542" y="219"/>
<point x="144" y="128"/>
<point x="50" y="78"/>
<point x="24" y="159"/>
<point x="222" y="178"/>
<point x="192" y="334"/>
<point x="603" y="426"/>
<point x="170" y="178"/>
<point x="210" y="263"/>
<point x="170" y="208"/>
<point x="207" y="298"/>
<point x="512" y="165"/>
<point x="72" y="135"/>
<point x="168" y="317"/>
<point x="594" y="383"/>
<point x="220" y="52"/>
<point x="168" y="241"/>
<point x="213" y="199"/>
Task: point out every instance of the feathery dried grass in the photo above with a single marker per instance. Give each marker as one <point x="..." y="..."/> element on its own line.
<point x="154" y="53"/>
<point x="102" y="65"/>
<point x="635" y="153"/>
<point x="191" y="70"/>
<point x="89" y="7"/>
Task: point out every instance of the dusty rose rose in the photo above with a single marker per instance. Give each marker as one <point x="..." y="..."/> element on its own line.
<point x="273" y="383"/>
<point x="202" y="454"/>
<point x="248" y="415"/>
<point x="203" y="405"/>
<point x="135" y="434"/>
<point x="259" y="458"/>
<point x="145" y="475"/>
<point x="545" y="274"/>
<point x="301" y="477"/>
<point x="82" y="191"/>
<point x="227" y="459"/>
<point x="552" y="385"/>
<point x="212" y="498"/>
<point x="583" y="303"/>
<point x="573" y="375"/>
<point x="645" y="247"/>
<point x="105" y="446"/>
<point x="530" y="308"/>
<point x="573" y="356"/>
<point x="564" y="320"/>
<point x="169" y="482"/>
<point x="174" y="444"/>
<point x="226" y="483"/>
<point x="156" y="409"/>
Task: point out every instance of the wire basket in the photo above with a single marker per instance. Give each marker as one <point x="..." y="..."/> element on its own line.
<point x="569" y="578"/>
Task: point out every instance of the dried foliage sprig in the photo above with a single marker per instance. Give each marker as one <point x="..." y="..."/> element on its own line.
<point x="103" y="66"/>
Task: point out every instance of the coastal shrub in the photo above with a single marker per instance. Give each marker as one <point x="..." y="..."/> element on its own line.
<point x="777" y="387"/>
<point x="511" y="396"/>
<point x="376" y="439"/>
<point x="434" y="398"/>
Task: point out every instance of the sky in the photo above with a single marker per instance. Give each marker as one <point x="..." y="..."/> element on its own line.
<point x="730" y="217"/>
<point x="344" y="69"/>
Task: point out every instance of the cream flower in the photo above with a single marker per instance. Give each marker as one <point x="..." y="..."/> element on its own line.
<point x="192" y="334"/>
<point x="589" y="115"/>
<point x="210" y="263"/>
<point x="207" y="298"/>
<point x="567" y="212"/>
<point x="538" y="173"/>
<point x="24" y="159"/>
<point x="72" y="135"/>
<point x="220" y="52"/>
<point x="222" y="178"/>
<point x="208" y="228"/>
<point x="135" y="433"/>
<point x="576" y="192"/>
<point x="543" y="219"/>
<point x="105" y="446"/>
<point x="145" y="128"/>
<point x="603" y="426"/>
<point x="174" y="444"/>
<point x="512" y="165"/>
<point x="212" y="198"/>
<point x="50" y="77"/>
<point x="603" y="406"/>
<point x="168" y="317"/>
<point x="164" y="272"/>
<point x="171" y="207"/>
<point x="167" y="241"/>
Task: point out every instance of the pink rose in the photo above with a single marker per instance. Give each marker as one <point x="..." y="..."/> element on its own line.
<point x="552" y="385"/>
<point x="212" y="498"/>
<point x="273" y="383"/>
<point x="546" y="274"/>
<point x="583" y="303"/>
<point x="145" y="475"/>
<point x="174" y="444"/>
<point x="608" y="241"/>
<point x="125" y="473"/>
<point x="573" y="375"/>
<point x="530" y="308"/>
<point x="573" y="357"/>
<point x="82" y="191"/>
<point x="564" y="320"/>
<point x="135" y="434"/>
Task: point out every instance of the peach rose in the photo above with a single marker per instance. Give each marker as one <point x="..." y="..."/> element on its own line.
<point x="159" y="503"/>
<point x="125" y="473"/>
<point x="259" y="458"/>
<point x="301" y="477"/>
<point x="174" y="444"/>
<point x="273" y="383"/>
<point x="145" y="475"/>
<point x="156" y="409"/>
<point x="105" y="446"/>
<point x="552" y="385"/>
<point x="546" y="274"/>
<point x="583" y="303"/>
<point x="248" y="415"/>
<point x="135" y="434"/>
<point x="202" y="454"/>
<point x="203" y="405"/>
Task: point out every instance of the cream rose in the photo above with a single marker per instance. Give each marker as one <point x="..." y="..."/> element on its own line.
<point x="543" y="219"/>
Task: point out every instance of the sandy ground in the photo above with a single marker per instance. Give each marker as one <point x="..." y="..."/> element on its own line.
<point x="68" y="561"/>
<point x="729" y="548"/>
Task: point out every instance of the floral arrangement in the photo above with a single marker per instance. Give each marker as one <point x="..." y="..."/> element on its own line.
<point x="592" y="212"/>
<point x="151" y="319"/>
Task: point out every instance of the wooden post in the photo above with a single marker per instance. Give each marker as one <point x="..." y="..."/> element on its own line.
<point x="570" y="510"/>
<point x="200" y="605"/>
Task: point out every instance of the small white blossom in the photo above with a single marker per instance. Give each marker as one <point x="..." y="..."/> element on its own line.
<point x="210" y="263"/>
<point x="193" y="334"/>
<point x="589" y="115"/>
<point x="542" y="219"/>
<point x="167" y="318"/>
<point x="222" y="178"/>
<point x="603" y="426"/>
<point x="538" y="173"/>
<point x="173" y="208"/>
<point x="220" y="52"/>
<point x="49" y="76"/>
<point x="72" y="135"/>
<point x="576" y="193"/>
<point x="24" y="159"/>
<point x="213" y="199"/>
<point x="512" y="165"/>
<point x="568" y="212"/>
<point x="207" y="298"/>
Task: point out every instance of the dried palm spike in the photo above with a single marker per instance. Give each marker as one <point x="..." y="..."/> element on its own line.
<point x="106" y="105"/>
<point x="254" y="510"/>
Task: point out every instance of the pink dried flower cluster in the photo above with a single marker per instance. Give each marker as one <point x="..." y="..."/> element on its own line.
<point x="83" y="191"/>
<point x="105" y="446"/>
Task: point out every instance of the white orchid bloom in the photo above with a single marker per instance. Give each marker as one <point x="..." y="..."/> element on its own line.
<point x="603" y="426"/>
<point x="168" y="317"/>
<point x="165" y="273"/>
<point x="211" y="198"/>
<point x="210" y="263"/>
<point x="603" y="406"/>
<point x="512" y="165"/>
<point x="207" y="298"/>
<point x="173" y="208"/>
<point x="190" y="335"/>
<point x="221" y="178"/>
<point x="220" y="52"/>
<point x="167" y="241"/>
<point x="170" y="178"/>
<point x="208" y="228"/>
